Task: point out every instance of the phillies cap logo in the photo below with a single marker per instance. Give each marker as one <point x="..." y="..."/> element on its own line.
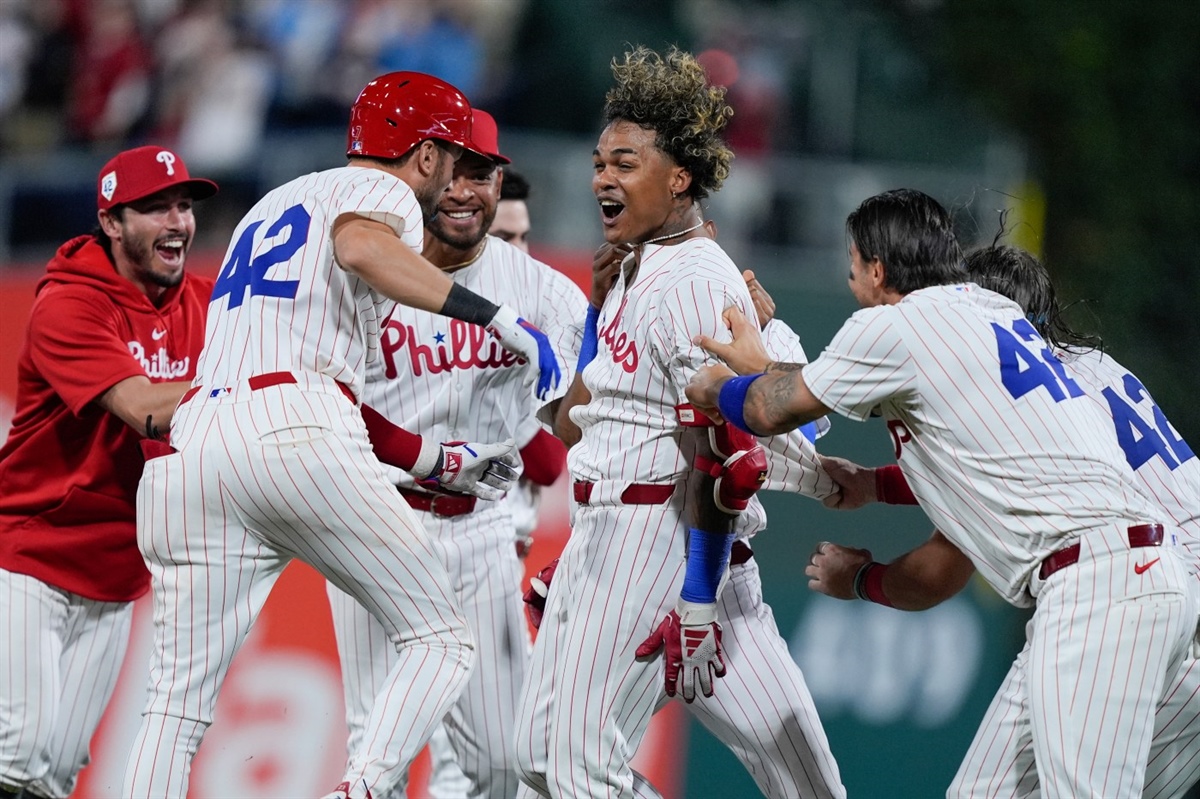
<point x="108" y="185"/>
<point x="168" y="158"/>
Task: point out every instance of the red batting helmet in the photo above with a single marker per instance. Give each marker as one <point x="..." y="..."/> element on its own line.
<point x="397" y="111"/>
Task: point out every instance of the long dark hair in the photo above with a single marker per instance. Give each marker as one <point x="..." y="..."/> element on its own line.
<point x="1024" y="279"/>
<point x="912" y="234"/>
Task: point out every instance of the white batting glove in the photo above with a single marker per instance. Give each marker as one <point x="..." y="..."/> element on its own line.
<point x="690" y="638"/>
<point x="525" y="339"/>
<point x="481" y="470"/>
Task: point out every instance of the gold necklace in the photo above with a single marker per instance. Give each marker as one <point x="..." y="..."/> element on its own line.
<point x="469" y="261"/>
<point x="673" y="235"/>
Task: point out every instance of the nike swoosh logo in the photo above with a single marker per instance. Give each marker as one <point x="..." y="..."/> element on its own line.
<point x="1139" y="568"/>
<point x="156" y="334"/>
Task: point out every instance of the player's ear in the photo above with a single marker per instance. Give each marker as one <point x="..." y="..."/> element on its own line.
<point x="110" y="222"/>
<point x="428" y="156"/>
<point x="681" y="179"/>
<point x="877" y="272"/>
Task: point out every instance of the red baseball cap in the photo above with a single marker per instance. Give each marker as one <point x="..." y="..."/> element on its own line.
<point x="485" y="136"/>
<point x="142" y="171"/>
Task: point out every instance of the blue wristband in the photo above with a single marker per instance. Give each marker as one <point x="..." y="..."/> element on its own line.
<point x="732" y="401"/>
<point x="708" y="556"/>
<point x="591" y="340"/>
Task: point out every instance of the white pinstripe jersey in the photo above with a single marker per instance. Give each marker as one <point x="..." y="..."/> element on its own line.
<point x="645" y="358"/>
<point x="281" y="302"/>
<point x="1000" y="445"/>
<point x="1160" y="458"/>
<point x="452" y="381"/>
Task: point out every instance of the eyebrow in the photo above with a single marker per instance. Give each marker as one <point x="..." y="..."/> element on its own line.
<point x="617" y="151"/>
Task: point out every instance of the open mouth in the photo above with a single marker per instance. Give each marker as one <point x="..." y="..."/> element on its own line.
<point x="170" y="252"/>
<point x="611" y="209"/>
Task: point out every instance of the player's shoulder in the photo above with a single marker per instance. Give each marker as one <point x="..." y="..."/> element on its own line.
<point x="505" y="255"/>
<point x="1095" y="366"/>
<point x="334" y="181"/>
<point x="520" y="265"/>
<point x="698" y="261"/>
<point x="55" y="297"/>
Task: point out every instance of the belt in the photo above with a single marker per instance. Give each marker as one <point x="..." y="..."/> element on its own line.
<point x="444" y="505"/>
<point x="634" y="493"/>
<point x="1140" y="535"/>
<point x="266" y="381"/>
<point x="739" y="553"/>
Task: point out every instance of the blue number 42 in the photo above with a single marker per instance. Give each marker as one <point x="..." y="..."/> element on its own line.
<point x="1027" y="363"/>
<point x="240" y="272"/>
<point x="1140" y="440"/>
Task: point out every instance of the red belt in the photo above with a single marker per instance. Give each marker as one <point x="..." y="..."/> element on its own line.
<point x="444" y="505"/>
<point x="1140" y="535"/>
<point x="266" y="381"/>
<point x="739" y="553"/>
<point x="634" y="494"/>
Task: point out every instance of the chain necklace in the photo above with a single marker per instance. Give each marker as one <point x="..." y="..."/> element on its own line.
<point x="673" y="235"/>
<point x="469" y="261"/>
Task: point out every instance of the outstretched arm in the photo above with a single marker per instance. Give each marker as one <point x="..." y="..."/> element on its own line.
<point x="374" y="252"/>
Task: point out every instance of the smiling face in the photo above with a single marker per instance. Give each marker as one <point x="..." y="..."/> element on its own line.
<point x="468" y="206"/>
<point x="633" y="181"/>
<point x="151" y="237"/>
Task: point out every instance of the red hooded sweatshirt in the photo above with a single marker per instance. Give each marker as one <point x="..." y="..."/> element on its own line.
<point x="69" y="470"/>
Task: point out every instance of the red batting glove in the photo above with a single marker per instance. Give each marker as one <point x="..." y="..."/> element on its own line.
<point x="535" y="595"/>
<point x="691" y="639"/>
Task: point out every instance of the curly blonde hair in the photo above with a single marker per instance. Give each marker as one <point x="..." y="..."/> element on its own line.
<point x="671" y="96"/>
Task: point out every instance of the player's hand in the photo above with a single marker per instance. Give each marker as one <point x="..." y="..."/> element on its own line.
<point x="831" y="569"/>
<point x="537" y="592"/>
<point x="704" y="389"/>
<point x="481" y="470"/>
<point x="764" y="306"/>
<point x="523" y="338"/>
<point x="606" y="266"/>
<point x="690" y="638"/>
<point x="856" y="484"/>
<point x="746" y="354"/>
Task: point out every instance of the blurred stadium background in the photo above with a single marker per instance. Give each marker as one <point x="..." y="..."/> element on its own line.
<point x="1074" y="122"/>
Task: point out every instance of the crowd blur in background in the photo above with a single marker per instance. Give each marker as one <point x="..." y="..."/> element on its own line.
<point x="212" y="75"/>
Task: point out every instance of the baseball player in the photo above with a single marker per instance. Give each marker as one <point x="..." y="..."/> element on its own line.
<point x="512" y="212"/>
<point x="1000" y="762"/>
<point x="275" y="456"/>
<point x="112" y="342"/>
<point x="1014" y="465"/>
<point x="636" y="552"/>
<point x="447" y="379"/>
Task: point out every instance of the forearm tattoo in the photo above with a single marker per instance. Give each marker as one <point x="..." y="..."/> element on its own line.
<point x="770" y="398"/>
<point x="783" y="366"/>
<point x="151" y="427"/>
